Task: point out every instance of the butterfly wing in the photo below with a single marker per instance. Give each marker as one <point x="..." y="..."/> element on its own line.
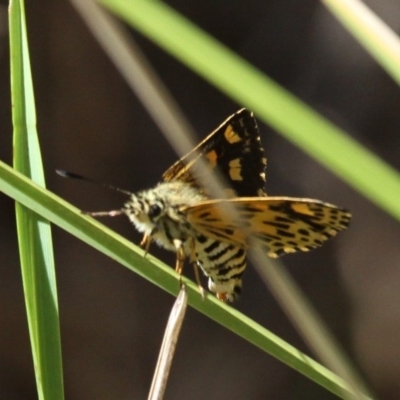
<point x="283" y="224"/>
<point x="234" y="148"/>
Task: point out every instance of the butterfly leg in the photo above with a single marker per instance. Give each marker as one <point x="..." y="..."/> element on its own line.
<point x="193" y="260"/>
<point x="145" y="243"/>
<point x="180" y="256"/>
<point x="197" y="275"/>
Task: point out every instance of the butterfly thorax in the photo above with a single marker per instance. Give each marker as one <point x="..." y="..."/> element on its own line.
<point x="157" y="212"/>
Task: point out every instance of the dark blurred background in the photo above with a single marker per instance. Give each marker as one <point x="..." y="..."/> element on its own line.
<point x="112" y="321"/>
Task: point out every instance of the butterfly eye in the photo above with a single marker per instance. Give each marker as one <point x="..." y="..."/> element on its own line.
<point x="154" y="210"/>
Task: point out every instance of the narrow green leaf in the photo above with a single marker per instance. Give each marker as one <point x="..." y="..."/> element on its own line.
<point x="34" y="234"/>
<point x="321" y="139"/>
<point x="105" y="240"/>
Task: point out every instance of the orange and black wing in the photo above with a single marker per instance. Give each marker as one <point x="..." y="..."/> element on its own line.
<point x="234" y="149"/>
<point x="282" y="224"/>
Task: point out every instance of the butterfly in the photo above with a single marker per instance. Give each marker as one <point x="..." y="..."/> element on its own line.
<point x="181" y="215"/>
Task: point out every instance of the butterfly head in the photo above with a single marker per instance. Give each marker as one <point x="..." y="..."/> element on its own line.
<point x="145" y="211"/>
<point x="158" y="211"/>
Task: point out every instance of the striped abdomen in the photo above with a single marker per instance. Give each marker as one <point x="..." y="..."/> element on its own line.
<point x="223" y="263"/>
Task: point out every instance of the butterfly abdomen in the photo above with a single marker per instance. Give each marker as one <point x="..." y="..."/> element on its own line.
<point x="223" y="263"/>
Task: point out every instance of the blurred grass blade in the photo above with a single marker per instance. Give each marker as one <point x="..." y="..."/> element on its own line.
<point x="168" y="346"/>
<point x="321" y="139"/>
<point x="110" y="243"/>
<point x="376" y="37"/>
<point x="34" y="235"/>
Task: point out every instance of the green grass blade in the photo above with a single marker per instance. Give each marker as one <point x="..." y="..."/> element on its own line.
<point x="373" y="34"/>
<point x="105" y="240"/>
<point x="34" y="234"/>
<point x="321" y="139"/>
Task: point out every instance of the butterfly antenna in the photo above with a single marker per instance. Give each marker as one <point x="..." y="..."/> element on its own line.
<point x="112" y="213"/>
<point x="66" y="174"/>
